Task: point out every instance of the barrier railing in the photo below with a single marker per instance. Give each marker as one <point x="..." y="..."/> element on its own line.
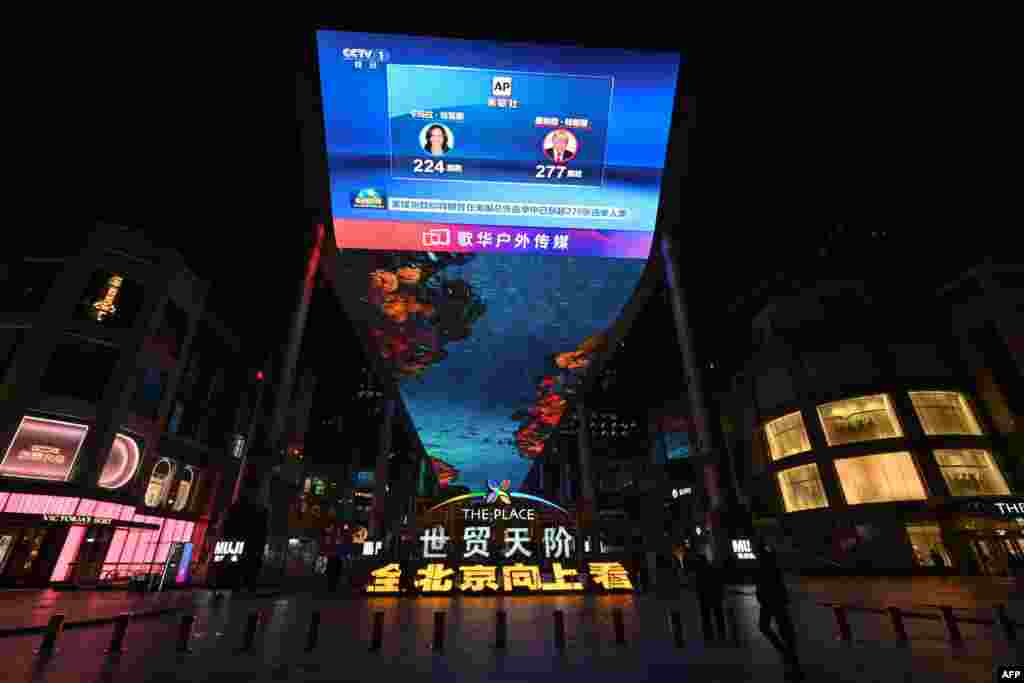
<point x="673" y="626"/>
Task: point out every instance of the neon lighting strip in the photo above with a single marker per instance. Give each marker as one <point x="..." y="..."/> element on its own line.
<point x="481" y="494"/>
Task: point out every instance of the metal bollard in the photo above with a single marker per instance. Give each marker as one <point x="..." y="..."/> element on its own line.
<point x="734" y="626"/>
<point x="439" y="631"/>
<point x="501" y="630"/>
<point x="620" y="627"/>
<point x="249" y="636"/>
<point x="951" y="626"/>
<point x="559" y="630"/>
<point x="314" y="632"/>
<point x="377" y="634"/>
<point x="184" y="631"/>
<point x="1009" y="629"/>
<point x="117" y="640"/>
<point x="843" y="623"/>
<point x="53" y="630"/>
<point x="675" y="621"/>
<point x="897" y="624"/>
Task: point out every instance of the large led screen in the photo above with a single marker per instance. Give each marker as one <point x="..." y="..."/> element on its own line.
<point x="494" y="206"/>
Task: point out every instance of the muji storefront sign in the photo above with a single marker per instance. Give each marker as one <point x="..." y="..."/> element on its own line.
<point x="509" y="563"/>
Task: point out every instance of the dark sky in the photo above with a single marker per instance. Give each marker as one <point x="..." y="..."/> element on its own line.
<point x="193" y="140"/>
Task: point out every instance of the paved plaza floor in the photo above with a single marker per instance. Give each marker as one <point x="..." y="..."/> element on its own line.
<point x="591" y="652"/>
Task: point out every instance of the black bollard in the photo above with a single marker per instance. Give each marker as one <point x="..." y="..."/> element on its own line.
<point x="1009" y="629"/>
<point x="559" y="630"/>
<point x="185" y="631"/>
<point x="314" y="632"/>
<point x="501" y="630"/>
<point x="951" y="626"/>
<point x="439" y="631"/>
<point x="377" y="636"/>
<point x="845" y="634"/>
<point x="620" y="627"/>
<point x="249" y="636"/>
<point x="53" y="630"/>
<point x="120" y="628"/>
<point x="675" y="621"/>
<point x="734" y="626"/>
<point x="897" y="624"/>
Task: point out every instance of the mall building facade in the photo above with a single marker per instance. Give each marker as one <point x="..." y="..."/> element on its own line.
<point x="122" y="419"/>
<point x="872" y="436"/>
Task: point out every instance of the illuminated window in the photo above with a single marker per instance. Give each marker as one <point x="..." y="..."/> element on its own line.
<point x="971" y="472"/>
<point x="159" y="483"/>
<point x="880" y="478"/>
<point x="787" y="435"/>
<point x="859" y="419"/>
<point x="944" y="412"/>
<point x="926" y="541"/>
<point x="181" y="496"/>
<point x="802" y="489"/>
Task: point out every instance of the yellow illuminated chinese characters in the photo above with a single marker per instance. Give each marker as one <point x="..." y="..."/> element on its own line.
<point x="105" y="306"/>
<point x="435" y="579"/>
<point x="610" y="575"/>
<point x="561" y="582"/>
<point x="477" y="577"/>
<point x="522" y="576"/>
<point x="385" y="579"/>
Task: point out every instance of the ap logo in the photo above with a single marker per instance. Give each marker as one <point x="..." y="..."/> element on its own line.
<point x="499" y="492"/>
<point x="501" y="86"/>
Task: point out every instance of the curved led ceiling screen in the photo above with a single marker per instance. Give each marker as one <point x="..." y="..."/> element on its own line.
<point x="494" y="206"/>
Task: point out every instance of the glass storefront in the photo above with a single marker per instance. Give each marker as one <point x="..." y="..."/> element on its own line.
<point x="880" y="478"/>
<point x="926" y="542"/>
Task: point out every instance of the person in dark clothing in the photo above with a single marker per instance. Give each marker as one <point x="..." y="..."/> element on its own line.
<point x="937" y="559"/>
<point x="773" y="597"/>
<point x="710" y="592"/>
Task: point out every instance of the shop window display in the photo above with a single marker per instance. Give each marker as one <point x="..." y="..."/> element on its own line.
<point x="971" y="472"/>
<point x="944" y="412"/>
<point x="859" y="419"/>
<point x="880" y="478"/>
<point x="159" y="483"/>
<point x="802" y="489"/>
<point x="787" y="436"/>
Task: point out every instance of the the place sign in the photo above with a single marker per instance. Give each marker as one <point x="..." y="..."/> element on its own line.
<point x="511" y="578"/>
<point x="78" y="519"/>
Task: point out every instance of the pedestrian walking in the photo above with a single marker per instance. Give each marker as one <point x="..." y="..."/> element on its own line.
<point x="710" y="593"/>
<point x="773" y="596"/>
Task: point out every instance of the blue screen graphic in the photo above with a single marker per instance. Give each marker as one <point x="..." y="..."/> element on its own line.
<point x="494" y="208"/>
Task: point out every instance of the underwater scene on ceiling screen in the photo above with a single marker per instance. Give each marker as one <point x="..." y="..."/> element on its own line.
<point x="487" y="348"/>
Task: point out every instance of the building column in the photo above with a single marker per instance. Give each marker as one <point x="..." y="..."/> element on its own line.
<point x="586" y="500"/>
<point x="298" y="327"/>
<point x="380" y="472"/>
<point x="707" y="450"/>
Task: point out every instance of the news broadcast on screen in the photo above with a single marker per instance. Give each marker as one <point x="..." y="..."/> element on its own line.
<point x="468" y="146"/>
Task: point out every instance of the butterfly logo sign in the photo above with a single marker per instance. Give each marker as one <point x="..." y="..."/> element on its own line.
<point x="499" y="492"/>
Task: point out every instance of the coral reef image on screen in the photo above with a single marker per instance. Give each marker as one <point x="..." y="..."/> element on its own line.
<point x="494" y="207"/>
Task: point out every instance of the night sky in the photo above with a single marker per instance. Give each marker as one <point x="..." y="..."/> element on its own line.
<point x="191" y="137"/>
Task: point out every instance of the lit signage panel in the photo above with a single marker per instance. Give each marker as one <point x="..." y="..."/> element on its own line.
<point x="47" y="449"/>
<point x="43" y="449"/>
<point x="494" y="206"/>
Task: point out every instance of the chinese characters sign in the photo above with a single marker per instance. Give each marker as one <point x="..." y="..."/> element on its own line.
<point x="517" y="577"/>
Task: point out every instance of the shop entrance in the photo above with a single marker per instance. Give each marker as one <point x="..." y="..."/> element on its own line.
<point x="28" y="555"/>
<point x="85" y="570"/>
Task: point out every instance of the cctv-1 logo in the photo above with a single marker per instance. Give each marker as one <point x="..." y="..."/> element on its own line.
<point x="365" y="54"/>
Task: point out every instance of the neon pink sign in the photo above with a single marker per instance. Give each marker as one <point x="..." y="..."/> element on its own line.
<point x="122" y="463"/>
